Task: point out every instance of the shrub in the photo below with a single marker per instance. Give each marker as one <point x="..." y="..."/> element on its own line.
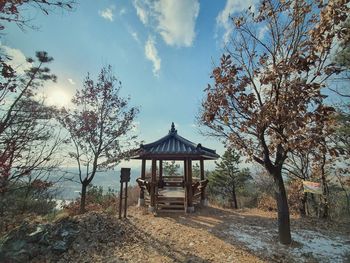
<point x="97" y="200"/>
<point x="267" y="203"/>
<point x="22" y="198"/>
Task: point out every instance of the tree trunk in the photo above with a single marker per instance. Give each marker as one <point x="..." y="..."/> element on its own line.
<point x="282" y="209"/>
<point x="314" y="205"/>
<point x="346" y="195"/>
<point x="303" y="205"/>
<point x="325" y="205"/>
<point x="2" y="203"/>
<point x="83" y="198"/>
<point x="234" y="199"/>
<point x="25" y="199"/>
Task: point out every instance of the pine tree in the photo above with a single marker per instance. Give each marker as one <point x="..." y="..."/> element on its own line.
<point x="171" y="168"/>
<point x="227" y="177"/>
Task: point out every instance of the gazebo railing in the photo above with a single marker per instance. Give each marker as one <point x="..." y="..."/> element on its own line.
<point x="173" y="181"/>
<point x="198" y="188"/>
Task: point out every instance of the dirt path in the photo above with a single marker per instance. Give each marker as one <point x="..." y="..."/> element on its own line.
<point x="209" y="235"/>
<point x="180" y="238"/>
<point x="219" y="235"/>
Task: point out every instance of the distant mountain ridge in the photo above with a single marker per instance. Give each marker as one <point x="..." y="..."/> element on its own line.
<point x="69" y="188"/>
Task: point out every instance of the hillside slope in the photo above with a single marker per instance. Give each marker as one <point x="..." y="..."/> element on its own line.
<point x="209" y="235"/>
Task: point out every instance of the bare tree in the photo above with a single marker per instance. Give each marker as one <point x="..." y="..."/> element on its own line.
<point x="14" y="11"/>
<point x="266" y="98"/>
<point x="99" y="125"/>
<point x="28" y="142"/>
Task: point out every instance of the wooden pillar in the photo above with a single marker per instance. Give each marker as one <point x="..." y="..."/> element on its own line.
<point x="143" y="169"/>
<point x="185" y="184"/>
<point x="203" y="200"/>
<point x="201" y="164"/>
<point x="141" y="200"/>
<point x="153" y="186"/>
<point x="190" y="207"/>
<point x="161" y="182"/>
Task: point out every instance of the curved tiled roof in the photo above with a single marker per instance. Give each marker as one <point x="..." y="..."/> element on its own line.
<point x="174" y="146"/>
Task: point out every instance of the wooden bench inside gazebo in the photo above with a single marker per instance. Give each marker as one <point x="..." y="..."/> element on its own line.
<point x="172" y="193"/>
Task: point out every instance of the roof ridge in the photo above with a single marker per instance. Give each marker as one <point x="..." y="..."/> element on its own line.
<point x="174" y="144"/>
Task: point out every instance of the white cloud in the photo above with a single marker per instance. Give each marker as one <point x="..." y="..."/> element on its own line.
<point x="71" y="81"/>
<point x="133" y="33"/>
<point x="176" y="21"/>
<point x="17" y="60"/>
<point x="107" y="13"/>
<point x="232" y="6"/>
<point x="173" y="20"/>
<point x="152" y="55"/>
<point x="142" y="7"/>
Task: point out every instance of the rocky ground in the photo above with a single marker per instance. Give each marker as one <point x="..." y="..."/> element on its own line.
<point x="209" y="235"/>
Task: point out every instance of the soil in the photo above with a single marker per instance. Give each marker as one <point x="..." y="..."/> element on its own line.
<point x="214" y="234"/>
<point x="198" y="237"/>
<point x="210" y="234"/>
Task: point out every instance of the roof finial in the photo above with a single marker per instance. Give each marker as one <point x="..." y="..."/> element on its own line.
<point x="172" y="130"/>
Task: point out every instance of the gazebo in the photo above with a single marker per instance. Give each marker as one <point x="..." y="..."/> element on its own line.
<point x="164" y="192"/>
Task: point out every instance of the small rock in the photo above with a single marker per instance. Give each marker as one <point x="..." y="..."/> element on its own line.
<point x="36" y="235"/>
<point x="60" y="246"/>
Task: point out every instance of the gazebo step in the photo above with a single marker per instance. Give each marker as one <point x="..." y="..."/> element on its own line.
<point x="170" y="199"/>
<point x="173" y="184"/>
<point x="170" y="210"/>
<point x="171" y="207"/>
<point x="170" y="202"/>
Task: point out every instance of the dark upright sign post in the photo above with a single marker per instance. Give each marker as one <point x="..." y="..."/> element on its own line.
<point x="124" y="178"/>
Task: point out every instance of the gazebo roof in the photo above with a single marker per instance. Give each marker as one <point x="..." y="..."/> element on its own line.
<point x="174" y="147"/>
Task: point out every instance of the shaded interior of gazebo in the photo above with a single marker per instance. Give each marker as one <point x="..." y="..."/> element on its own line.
<point x="172" y="193"/>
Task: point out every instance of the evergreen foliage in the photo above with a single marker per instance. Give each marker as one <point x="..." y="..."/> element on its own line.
<point x="227" y="178"/>
<point x="171" y="168"/>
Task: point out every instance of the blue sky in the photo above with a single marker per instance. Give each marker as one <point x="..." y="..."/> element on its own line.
<point x="162" y="51"/>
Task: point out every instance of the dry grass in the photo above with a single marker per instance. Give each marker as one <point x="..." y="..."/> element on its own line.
<point x="104" y="202"/>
